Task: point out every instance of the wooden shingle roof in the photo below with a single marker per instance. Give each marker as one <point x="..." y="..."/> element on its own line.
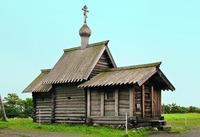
<point x="76" y="65"/>
<point x="127" y="75"/>
<point x="37" y="86"/>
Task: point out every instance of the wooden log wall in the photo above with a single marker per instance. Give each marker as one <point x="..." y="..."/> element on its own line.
<point x="70" y="104"/>
<point x="148" y="110"/>
<point x="42" y="107"/>
<point x="103" y="63"/>
<point x="109" y="104"/>
<point x="138" y="101"/>
<point x="95" y="98"/>
<point x="157" y="103"/>
<point x="124" y="103"/>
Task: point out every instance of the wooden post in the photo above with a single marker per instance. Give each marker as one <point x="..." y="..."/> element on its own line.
<point x="102" y="103"/>
<point x="152" y="102"/>
<point x="160" y="103"/>
<point x="88" y="101"/>
<point x="3" y="110"/>
<point x="143" y="101"/>
<point x="53" y="105"/>
<point x="116" y="101"/>
<point x="131" y="101"/>
<point x="34" y="107"/>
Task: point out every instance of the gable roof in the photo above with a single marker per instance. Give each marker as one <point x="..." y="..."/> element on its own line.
<point x="37" y="86"/>
<point x="127" y="75"/>
<point x="76" y="65"/>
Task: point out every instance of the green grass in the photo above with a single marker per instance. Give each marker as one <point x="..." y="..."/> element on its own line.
<point x="183" y="122"/>
<point x="179" y="123"/>
<point x="27" y="125"/>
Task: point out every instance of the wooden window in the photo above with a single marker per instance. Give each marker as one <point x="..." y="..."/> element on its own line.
<point x="110" y="95"/>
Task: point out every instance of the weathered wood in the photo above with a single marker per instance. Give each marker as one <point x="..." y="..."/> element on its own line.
<point x="3" y="110"/>
<point x="134" y="110"/>
<point x="70" y="102"/>
<point x="152" y="102"/>
<point x="88" y="102"/>
<point x="116" y="102"/>
<point x="143" y="101"/>
<point x="131" y="101"/>
<point x="102" y="103"/>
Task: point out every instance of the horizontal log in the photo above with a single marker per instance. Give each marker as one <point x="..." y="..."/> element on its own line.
<point x="109" y="122"/>
<point x="43" y="101"/>
<point x="43" y="116"/>
<point x="110" y="109"/>
<point x="95" y="102"/>
<point x="70" y="109"/>
<point x="69" y="115"/>
<point x="43" y="107"/>
<point x="95" y="108"/>
<point x="123" y="101"/>
<point x="69" y="122"/>
<point x="70" y="118"/>
<point x="70" y="102"/>
<point x="124" y="106"/>
<point x="70" y="105"/>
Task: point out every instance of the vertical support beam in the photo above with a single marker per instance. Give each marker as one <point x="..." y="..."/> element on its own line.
<point x="160" y="103"/>
<point x="102" y="103"/>
<point x="116" y="101"/>
<point x="34" y="107"/>
<point x="143" y="101"/>
<point x="53" y="105"/>
<point x="3" y="110"/>
<point x="88" y="102"/>
<point x="134" y="109"/>
<point x="131" y="101"/>
<point x="152" y="102"/>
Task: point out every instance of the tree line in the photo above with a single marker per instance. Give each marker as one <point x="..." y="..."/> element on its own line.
<point x="174" y="108"/>
<point x="17" y="107"/>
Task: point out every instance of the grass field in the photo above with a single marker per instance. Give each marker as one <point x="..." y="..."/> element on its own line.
<point x="179" y="122"/>
<point x="27" y="125"/>
<point x="183" y="122"/>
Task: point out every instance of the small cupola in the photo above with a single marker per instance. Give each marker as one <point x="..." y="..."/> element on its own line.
<point x="85" y="31"/>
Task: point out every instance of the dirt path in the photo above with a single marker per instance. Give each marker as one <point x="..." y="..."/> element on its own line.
<point x="194" y="133"/>
<point x="11" y="133"/>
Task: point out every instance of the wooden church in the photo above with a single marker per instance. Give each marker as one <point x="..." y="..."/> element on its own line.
<point x="86" y="87"/>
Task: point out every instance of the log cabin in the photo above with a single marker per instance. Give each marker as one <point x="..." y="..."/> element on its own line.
<point x="86" y="87"/>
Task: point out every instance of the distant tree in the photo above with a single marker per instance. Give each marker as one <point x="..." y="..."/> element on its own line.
<point x="26" y="107"/>
<point x="193" y="109"/>
<point x="173" y="108"/>
<point x="16" y="107"/>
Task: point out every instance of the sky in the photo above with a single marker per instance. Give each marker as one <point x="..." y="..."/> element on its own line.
<point x="34" y="33"/>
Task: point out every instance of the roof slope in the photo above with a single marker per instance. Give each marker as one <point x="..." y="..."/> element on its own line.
<point x="76" y="65"/>
<point x="126" y="75"/>
<point x="37" y="86"/>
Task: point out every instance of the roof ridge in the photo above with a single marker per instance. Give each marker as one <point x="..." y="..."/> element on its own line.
<point x="45" y="70"/>
<point x="89" y="45"/>
<point x="156" y="64"/>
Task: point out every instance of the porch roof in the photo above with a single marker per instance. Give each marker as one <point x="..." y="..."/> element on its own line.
<point x="128" y="75"/>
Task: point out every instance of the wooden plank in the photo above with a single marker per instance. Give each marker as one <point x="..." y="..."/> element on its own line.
<point x="131" y="101"/>
<point x="143" y="101"/>
<point x="134" y="110"/>
<point x="102" y="103"/>
<point x="88" y="102"/>
<point x="160" y="103"/>
<point x="152" y="102"/>
<point x="116" y="102"/>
